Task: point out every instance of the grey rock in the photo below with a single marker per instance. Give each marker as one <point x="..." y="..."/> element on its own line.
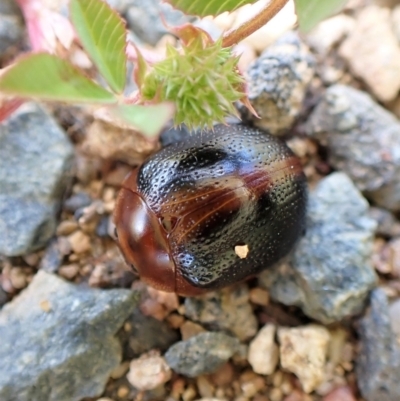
<point x="9" y="7"/>
<point x="35" y="161"/>
<point x="388" y="225"/>
<point x="277" y="83"/>
<point x="102" y="228"/>
<point x="226" y="310"/>
<point x="394" y="315"/>
<point x="330" y="274"/>
<point x="146" y="333"/>
<point x="58" y="340"/>
<point x="11" y="25"/>
<point x="143" y="17"/>
<point x="3" y="297"/>
<point x="77" y="201"/>
<point x="201" y="354"/>
<point x="363" y="140"/>
<point x="52" y="258"/>
<point x="378" y="362"/>
<point x="11" y="31"/>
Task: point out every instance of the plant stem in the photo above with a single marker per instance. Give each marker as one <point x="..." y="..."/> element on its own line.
<point x="235" y="35"/>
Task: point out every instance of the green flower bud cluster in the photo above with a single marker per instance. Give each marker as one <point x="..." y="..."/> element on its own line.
<point x="202" y="79"/>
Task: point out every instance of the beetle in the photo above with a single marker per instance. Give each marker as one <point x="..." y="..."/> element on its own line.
<point x="212" y="210"/>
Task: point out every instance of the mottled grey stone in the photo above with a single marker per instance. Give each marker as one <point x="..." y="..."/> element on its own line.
<point x="11" y="25"/>
<point x="143" y="17"/>
<point x="58" y="340"/>
<point x="330" y="273"/>
<point x="277" y="83"/>
<point x="201" y="354"/>
<point x="378" y="362"/>
<point x="35" y="161"/>
<point x="146" y="333"/>
<point x="226" y="310"/>
<point x="363" y="140"/>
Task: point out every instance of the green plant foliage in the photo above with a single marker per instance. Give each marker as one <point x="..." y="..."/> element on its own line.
<point x="311" y="12"/>
<point x="203" y="8"/>
<point x="103" y="35"/>
<point x="148" y="120"/>
<point x="47" y="77"/>
<point x="202" y="81"/>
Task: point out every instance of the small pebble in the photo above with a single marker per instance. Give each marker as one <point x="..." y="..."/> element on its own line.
<point x="394" y="315"/>
<point x="204" y="386"/>
<point x="337" y="345"/>
<point x="211" y="399"/>
<point x="110" y="142"/>
<point x="169" y="300"/>
<point x="69" y="271"/>
<point x="52" y="258"/>
<point x="263" y="353"/>
<point x="252" y="386"/>
<point x="259" y="296"/>
<point x="148" y="372"/>
<point x="79" y="242"/>
<point x="303" y="351"/>
<point x="19" y="278"/>
<point x="260" y="397"/>
<point x="3" y="297"/>
<point x="102" y="227"/>
<point x="277" y="83"/>
<point x="286" y="387"/>
<point x="228" y="310"/>
<point x="189" y="394"/>
<point x="277" y="378"/>
<point x="31" y="259"/>
<point x="77" y="201"/>
<point x="329" y="33"/>
<point x="67" y="227"/>
<point x="388" y="225"/>
<point x="224" y="375"/>
<point x="120" y="370"/>
<point x="340" y="394"/>
<point x="175" y="320"/>
<point x="201" y="354"/>
<point x="123" y="392"/>
<point x="177" y="388"/>
<point x="64" y="246"/>
<point x="296" y="395"/>
<point x="276" y="394"/>
<point x="190" y="329"/>
<point x="116" y="176"/>
<point x="366" y="50"/>
<point x="144" y="333"/>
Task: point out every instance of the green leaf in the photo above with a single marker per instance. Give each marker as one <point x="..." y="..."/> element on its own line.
<point x="103" y="35"/>
<point x="48" y="77"/>
<point x="148" y="120"/>
<point x="311" y="12"/>
<point x="203" y="8"/>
